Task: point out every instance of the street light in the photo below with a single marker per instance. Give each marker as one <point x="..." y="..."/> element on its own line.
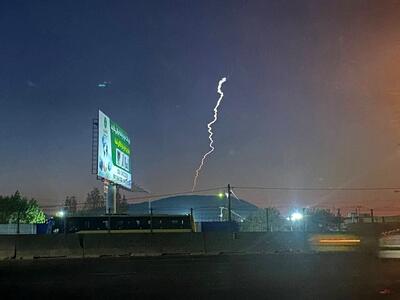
<point x="296" y="216"/>
<point x="60" y="214"/>
<point x="294" y="219"/>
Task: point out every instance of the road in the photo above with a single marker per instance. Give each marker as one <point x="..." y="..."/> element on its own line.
<point x="277" y="276"/>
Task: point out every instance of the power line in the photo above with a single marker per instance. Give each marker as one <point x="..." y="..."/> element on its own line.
<point x="176" y="193"/>
<point x="394" y="189"/>
<point x="147" y="197"/>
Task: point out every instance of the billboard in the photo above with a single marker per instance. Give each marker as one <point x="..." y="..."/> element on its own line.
<point x="114" y="153"/>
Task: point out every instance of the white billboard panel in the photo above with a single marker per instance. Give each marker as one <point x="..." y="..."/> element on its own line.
<point x="114" y="153"/>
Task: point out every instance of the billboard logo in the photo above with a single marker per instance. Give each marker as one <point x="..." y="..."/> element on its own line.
<point x="122" y="160"/>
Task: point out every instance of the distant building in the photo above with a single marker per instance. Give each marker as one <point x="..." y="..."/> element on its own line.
<point x="367" y="218"/>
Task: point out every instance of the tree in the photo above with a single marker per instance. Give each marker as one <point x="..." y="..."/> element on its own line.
<point x="94" y="200"/>
<point x="8" y="206"/>
<point x="33" y="214"/>
<point x="71" y="204"/>
<point x="122" y="203"/>
<point x="263" y="218"/>
<point x="17" y="208"/>
<point x="321" y="220"/>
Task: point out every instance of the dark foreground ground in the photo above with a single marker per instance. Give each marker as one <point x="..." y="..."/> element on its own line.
<point x="280" y="276"/>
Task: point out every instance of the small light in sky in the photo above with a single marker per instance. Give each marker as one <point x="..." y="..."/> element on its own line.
<point x="104" y="84"/>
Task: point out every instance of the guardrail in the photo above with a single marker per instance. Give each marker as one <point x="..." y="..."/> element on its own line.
<point x="147" y="244"/>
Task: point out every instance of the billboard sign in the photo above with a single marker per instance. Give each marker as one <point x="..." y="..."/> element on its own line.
<point x="114" y="153"/>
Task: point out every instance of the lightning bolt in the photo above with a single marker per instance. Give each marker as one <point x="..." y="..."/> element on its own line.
<point x="209" y="125"/>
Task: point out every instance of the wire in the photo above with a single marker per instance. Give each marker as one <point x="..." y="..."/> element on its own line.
<point x="146" y="197"/>
<point x="176" y="193"/>
<point x="317" y="189"/>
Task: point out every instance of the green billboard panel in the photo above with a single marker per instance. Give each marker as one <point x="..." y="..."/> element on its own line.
<point x="114" y="153"/>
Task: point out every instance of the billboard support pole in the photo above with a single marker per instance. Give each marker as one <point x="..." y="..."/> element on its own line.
<point x="109" y="221"/>
<point x="110" y="197"/>
<point x="114" y="194"/>
<point x="106" y="187"/>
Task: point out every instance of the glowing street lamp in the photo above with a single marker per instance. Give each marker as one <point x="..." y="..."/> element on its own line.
<point x="60" y="214"/>
<point x="296" y="216"/>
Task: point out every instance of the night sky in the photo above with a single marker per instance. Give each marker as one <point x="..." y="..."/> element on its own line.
<point x="312" y="97"/>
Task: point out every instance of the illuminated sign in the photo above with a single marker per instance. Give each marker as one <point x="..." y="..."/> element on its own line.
<point x="114" y="153"/>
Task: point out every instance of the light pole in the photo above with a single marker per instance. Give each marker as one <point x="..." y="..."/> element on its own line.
<point x="294" y="218"/>
<point x="229" y="203"/>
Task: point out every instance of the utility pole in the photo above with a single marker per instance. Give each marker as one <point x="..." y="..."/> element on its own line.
<point x="267" y="217"/>
<point x="18" y="223"/>
<point x="229" y="203"/>
<point x="18" y="219"/>
<point x="339" y="218"/>
<point x="151" y="220"/>
<point x="192" y="224"/>
<point x="65" y="220"/>
<point x="358" y="213"/>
